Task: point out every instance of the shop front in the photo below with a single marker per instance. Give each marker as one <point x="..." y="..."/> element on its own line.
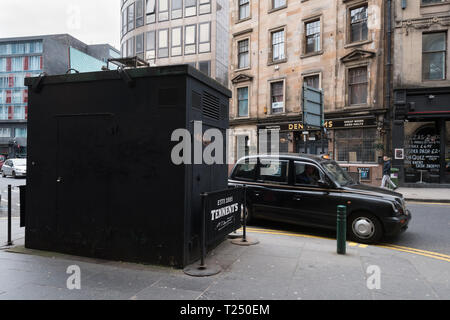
<point x="421" y="136"/>
<point x="354" y="142"/>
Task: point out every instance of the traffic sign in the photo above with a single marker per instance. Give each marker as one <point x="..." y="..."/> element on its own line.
<point x="313" y="113"/>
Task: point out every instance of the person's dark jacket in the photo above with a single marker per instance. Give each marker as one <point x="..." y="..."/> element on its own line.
<point x="387" y="168"/>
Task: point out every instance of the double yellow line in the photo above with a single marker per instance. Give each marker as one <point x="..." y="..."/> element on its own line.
<point x="425" y="253"/>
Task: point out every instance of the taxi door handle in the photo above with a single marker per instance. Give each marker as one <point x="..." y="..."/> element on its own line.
<point x="297" y="198"/>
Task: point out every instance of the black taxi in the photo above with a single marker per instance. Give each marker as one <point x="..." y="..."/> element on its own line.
<point x="306" y="189"/>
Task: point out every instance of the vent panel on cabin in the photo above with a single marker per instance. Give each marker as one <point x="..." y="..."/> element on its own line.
<point x="211" y="106"/>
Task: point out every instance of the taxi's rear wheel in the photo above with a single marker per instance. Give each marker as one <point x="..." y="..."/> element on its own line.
<point x="365" y="228"/>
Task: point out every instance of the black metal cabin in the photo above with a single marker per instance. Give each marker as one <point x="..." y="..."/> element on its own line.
<point x="101" y="182"/>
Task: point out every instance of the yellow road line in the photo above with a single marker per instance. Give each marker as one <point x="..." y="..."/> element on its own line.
<point x="266" y="231"/>
<point x="430" y="254"/>
<point x="415" y="252"/>
<point x="418" y="250"/>
<point x="434" y="203"/>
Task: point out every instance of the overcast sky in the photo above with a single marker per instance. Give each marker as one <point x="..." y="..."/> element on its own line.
<point x="91" y="21"/>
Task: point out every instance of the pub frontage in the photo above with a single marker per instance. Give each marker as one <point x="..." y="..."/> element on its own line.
<point x="357" y="143"/>
<point x="421" y="136"/>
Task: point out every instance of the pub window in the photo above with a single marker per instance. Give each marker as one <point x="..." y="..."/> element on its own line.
<point x="150" y="11"/>
<point x="177" y="9"/>
<point x="140" y="45"/>
<point x="204" y="30"/>
<point x="312" y="41"/>
<point x="139" y="13"/>
<point x="205" y="6"/>
<point x="278" y="4"/>
<point x="190" y="39"/>
<point x="163" y="43"/>
<point x="205" y="67"/>
<point x="357" y="85"/>
<point x="151" y="45"/>
<point x="163" y="10"/>
<point x="176" y="49"/>
<point x="355" y="145"/>
<point x="244" y="9"/>
<point x="190" y="8"/>
<point x="242" y="96"/>
<point x="277" y="96"/>
<point x="433" y="56"/>
<point x="358" y="24"/>
<point x="243" y="54"/>
<point x="278" y="45"/>
<point x="130" y="15"/>
<point x="312" y="81"/>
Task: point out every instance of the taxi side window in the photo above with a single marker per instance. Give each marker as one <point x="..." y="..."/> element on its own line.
<point x="245" y="171"/>
<point x="307" y="174"/>
<point x="273" y="171"/>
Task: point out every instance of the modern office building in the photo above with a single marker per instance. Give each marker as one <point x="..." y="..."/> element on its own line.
<point x="421" y="82"/>
<point x="167" y="32"/>
<point x="28" y="57"/>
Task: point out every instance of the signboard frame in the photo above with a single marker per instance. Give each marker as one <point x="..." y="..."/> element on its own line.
<point x="312" y="107"/>
<point x="223" y="210"/>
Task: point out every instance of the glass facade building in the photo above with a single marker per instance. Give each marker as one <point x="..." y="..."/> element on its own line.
<point x="29" y="57"/>
<point x="18" y="60"/>
<point x="167" y="32"/>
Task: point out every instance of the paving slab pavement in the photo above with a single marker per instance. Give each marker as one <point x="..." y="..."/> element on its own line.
<point x="426" y="194"/>
<point x="280" y="267"/>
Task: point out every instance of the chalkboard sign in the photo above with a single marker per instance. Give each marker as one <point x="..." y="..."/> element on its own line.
<point x="423" y="152"/>
<point x="223" y="213"/>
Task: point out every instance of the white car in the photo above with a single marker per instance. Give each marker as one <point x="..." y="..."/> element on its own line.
<point x="15" y="168"/>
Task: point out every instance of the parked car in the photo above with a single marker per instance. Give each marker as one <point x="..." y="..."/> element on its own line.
<point x="304" y="189"/>
<point x="14" y="168"/>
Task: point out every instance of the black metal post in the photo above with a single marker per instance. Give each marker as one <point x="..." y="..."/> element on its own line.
<point x="341" y="235"/>
<point x="203" y="231"/>
<point x="323" y="140"/>
<point x="244" y="234"/>
<point x="9" y="243"/>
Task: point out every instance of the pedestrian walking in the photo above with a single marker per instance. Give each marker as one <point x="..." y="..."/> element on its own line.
<point x="387" y="173"/>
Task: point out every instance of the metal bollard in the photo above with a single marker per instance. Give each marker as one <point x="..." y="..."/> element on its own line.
<point x="9" y="243"/>
<point x="244" y="234"/>
<point x="341" y="235"/>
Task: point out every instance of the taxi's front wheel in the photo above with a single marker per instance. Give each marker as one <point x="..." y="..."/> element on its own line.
<point x="365" y="228"/>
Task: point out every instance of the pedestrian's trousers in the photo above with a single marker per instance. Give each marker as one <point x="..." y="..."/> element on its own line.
<point x="387" y="179"/>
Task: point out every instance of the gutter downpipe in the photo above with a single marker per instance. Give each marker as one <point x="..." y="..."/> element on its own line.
<point x="389" y="73"/>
